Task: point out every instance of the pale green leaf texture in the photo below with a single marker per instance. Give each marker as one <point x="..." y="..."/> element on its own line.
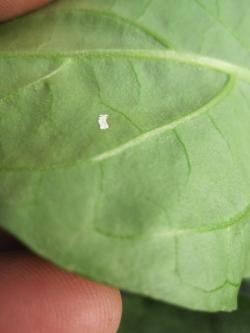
<point x="158" y="204"/>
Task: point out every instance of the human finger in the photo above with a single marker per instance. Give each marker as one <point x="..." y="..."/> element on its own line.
<point x="13" y="8"/>
<point x="38" y="297"/>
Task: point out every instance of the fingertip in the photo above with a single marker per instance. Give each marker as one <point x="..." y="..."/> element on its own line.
<point x="37" y="297"/>
<point x="13" y="8"/>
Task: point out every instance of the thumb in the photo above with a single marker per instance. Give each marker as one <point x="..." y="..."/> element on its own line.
<point x="12" y="8"/>
<point x="38" y="297"/>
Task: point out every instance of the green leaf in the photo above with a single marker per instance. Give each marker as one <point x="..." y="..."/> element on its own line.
<point x="147" y="316"/>
<point x="158" y="203"/>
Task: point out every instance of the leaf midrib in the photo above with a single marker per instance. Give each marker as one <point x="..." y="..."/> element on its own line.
<point x="192" y="59"/>
<point x="233" y="71"/>
<point x="227" y="88"/>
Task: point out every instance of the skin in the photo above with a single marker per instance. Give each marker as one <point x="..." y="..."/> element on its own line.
<point x="35" y="296"/>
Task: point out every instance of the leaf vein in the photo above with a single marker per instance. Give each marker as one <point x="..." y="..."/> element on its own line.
<point x="204" y="8"/>
<point x="39" y="80"/>
<point x="227" y="88"/>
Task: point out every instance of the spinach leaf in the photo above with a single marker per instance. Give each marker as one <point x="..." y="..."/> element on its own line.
<point x="147" y="316"/>
<point x="159" y="202"/>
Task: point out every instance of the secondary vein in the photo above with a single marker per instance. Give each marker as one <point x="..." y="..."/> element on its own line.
<point x="170" y="126"/>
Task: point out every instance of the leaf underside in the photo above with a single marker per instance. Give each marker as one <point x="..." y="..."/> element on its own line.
<point x="159" y="203"/>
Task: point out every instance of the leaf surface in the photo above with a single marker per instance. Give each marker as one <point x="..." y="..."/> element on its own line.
<point x="158" y="203"/>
